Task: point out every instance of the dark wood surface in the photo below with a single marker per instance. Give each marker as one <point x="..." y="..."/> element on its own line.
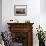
<point x="23" y="27"/>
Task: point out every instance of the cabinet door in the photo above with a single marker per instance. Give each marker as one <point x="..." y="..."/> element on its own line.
<point x="20" y="37"/>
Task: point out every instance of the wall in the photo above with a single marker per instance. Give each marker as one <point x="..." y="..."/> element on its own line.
<point x="0" y="15"/>
<point x="34" y="14"/>
<point x="33" y="10"/>
<point x="43" y="6"/>
<point x="43" y="14"/>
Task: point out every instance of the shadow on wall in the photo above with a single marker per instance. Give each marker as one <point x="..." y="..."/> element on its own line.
<point x="0" y="15"/>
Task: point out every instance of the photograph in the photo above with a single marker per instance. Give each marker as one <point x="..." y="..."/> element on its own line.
<point x="20" y="10"/>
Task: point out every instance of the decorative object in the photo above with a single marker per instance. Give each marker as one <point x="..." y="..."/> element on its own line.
<point x="13" y="21"/>
<point x="27" y="21"/>
<point x="20" y="10"/>
<point x="41" y="36"/>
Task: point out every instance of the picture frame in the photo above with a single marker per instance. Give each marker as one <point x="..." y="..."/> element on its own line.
<point x="20" y="10"/>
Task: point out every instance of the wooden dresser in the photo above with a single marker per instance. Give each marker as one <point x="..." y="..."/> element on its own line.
<point x="22" y="33"/>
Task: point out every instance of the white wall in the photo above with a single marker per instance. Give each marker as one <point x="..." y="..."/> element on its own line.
<point x="43" y="14"/>
<point x="43" y="6"/>
<point x="33" y="14"/>
<point x="36" y="10"/>
<point x="33" y="10"/>
<point x="0" y="15"/>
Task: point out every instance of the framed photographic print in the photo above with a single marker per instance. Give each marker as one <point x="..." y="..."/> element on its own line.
<point x="20" y="10"/>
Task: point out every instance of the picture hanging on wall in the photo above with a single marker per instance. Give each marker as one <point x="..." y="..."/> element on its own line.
<point x="20" y="10"/>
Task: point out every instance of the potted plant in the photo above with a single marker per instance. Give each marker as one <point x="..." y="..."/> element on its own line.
<point x="41" y="36"/>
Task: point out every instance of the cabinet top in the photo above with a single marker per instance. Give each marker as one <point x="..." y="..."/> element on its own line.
<point x="19" y="23"/>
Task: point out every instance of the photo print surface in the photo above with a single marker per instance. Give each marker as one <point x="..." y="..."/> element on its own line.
<point x="20" y="10"/>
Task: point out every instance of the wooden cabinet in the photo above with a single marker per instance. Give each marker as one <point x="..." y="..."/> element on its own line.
<point x="22" y="33"/>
